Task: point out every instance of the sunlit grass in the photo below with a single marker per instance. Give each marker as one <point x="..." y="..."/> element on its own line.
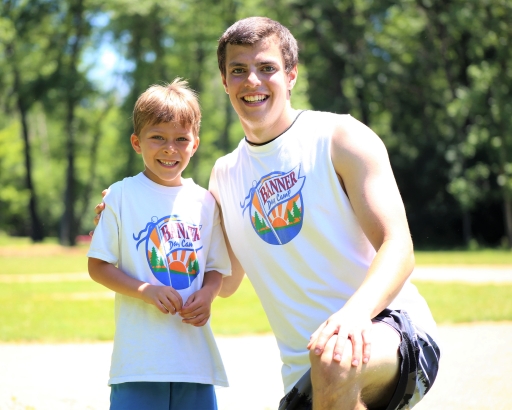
<point x="460" y="303"/>
<point x="476" y="257"/>
<point x="81" y="310"/>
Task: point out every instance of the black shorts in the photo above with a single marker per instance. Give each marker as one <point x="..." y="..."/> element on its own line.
<point x="419" y="362"/>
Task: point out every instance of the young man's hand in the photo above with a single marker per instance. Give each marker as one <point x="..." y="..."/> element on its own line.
<point x="165" y="298"/>
<point x="98" y="209"/>
<point x="197" y="309"/>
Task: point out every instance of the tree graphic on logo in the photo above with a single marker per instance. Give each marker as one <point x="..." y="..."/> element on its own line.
<point x="259" y="224"/>
<point x="157" y="263"/>
<point x="290" y="217"/>
<point x="296" y="211"/>
<point x="193" y="266"/>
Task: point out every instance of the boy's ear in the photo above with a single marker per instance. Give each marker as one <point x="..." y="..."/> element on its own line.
<point x="196" y="145"/>
<point x="135" y="143"/>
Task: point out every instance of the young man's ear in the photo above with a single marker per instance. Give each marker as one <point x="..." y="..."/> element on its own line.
<point x="224" y="83"/>
<point x="135" y="143"/>
<point x="292" y="77"/>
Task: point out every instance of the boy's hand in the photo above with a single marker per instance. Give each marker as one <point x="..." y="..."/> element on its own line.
<point x="197" y="310"/>
<point x="165" y="298"/>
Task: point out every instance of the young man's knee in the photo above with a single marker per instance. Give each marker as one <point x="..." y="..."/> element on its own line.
<point x="324" y="367"/>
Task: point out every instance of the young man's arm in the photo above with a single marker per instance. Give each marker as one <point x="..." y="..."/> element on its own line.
<point x="361" y="161"/>
<point x="197" y="309"/>
<point x="165" y="298"/>
<point x="229" y="283"/>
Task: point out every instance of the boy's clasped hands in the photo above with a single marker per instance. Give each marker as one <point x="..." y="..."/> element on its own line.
<point x="196" y="310"/>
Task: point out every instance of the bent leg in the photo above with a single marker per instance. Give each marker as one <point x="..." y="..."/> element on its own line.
<point x="339" y="385"/>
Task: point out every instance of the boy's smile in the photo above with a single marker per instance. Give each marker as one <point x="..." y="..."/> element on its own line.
<point x="166" y="149"/>
<point x="259" y="88"/>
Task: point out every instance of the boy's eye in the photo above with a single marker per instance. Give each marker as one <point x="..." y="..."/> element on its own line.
<point x="157" y="137"/>
<point x="268" y="69"/>
<point x="237" y="70"/>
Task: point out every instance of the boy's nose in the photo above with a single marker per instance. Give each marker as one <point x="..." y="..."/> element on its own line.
<point x="170" y="148"/>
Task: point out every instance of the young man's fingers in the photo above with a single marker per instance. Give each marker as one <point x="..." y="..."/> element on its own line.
<point x="367" y="345"/>
<point x="339" y="346"/>
<point x="314" y="336"/>
<point x="98" y="209"/>
<point x="357" y="347"/>
<point x="323" y="337"/>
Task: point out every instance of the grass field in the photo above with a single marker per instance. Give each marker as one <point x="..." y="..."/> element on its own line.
<point x="39" y="307"/>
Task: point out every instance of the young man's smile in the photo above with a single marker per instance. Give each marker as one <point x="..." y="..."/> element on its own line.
<point x="259" y="88"/>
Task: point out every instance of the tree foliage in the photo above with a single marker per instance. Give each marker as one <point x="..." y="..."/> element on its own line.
<point x="431" y="77"/>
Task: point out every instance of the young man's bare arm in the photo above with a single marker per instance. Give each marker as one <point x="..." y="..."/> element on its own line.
<point x="165" y="298"/>
<point x="361" y="161"/>
<point x="229" y="283"/>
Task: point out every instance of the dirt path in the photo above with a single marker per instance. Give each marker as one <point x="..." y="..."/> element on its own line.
<point x="476" y="363"/>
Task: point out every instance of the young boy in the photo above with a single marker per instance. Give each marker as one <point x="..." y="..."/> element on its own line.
<point x="159" y="246"/>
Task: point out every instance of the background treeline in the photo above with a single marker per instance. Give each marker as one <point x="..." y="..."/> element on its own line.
<point x="431" y="77"/>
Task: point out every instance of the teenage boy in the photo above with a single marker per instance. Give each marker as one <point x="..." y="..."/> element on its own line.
<point x="159" y="244"/>
<point x="315" y="219"/>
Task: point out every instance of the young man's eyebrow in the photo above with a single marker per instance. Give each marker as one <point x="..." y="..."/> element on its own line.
<point x="259" y="63"/>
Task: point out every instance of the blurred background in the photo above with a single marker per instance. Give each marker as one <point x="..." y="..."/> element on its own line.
<point x="431" y="77"/>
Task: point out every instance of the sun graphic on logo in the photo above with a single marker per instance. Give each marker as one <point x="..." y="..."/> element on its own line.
<point x="173" y="263"/>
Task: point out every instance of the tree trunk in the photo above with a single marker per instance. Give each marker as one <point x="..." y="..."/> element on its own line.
<point x="69" y="228"/>
<point x="507" y="208"/>
<point x="36" y="228"/>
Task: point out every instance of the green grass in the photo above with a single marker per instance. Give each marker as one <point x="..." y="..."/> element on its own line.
<point x="460" y="303"/>
<point x="241" y="313"/>
<point x="78" y="310"/>
<point x="477" y="257"/>
<point x="55" y="312"/>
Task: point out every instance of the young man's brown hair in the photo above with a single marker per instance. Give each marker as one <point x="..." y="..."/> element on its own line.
<point x="165" y="103"/>
<point x="253" y="29"/>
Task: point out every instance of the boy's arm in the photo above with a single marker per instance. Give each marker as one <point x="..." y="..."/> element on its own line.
<point x="229" y="283"/>
<point x="165" y="298"/>
<point x="197" y="309"/>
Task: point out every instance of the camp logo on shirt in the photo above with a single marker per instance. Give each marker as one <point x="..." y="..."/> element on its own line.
<point x="171" y="247"/>
<point x="275" y="206"/>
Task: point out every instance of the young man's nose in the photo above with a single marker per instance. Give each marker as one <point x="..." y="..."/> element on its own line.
<point x="252" y="80"/>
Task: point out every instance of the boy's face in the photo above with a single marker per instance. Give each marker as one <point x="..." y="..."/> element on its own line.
<point x="257" y="83"/>
<point x="166" y="149"/>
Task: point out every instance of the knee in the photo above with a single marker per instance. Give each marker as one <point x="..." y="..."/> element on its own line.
<point x="325" y="369"/>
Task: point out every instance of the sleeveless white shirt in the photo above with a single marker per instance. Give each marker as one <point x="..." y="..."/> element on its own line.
<point x="294" y="231"/>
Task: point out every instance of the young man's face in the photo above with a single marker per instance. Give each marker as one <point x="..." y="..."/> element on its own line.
<point x="166" y="149"/>
<point x="258" y="85"/>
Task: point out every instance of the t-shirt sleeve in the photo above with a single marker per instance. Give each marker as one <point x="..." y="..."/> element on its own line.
<point x="218" y="258"/>
<point x="105" y="241"/>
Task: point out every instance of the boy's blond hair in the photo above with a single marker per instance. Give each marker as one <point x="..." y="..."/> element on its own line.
<point x="165" y="103"/>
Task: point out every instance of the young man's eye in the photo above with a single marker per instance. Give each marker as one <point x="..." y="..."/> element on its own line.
<point x="237" y="71"/>
<point x="268" y="69"/>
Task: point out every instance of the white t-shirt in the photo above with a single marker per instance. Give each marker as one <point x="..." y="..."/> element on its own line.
<point x="295" y="233"/>
<point x="161" y="235"/>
